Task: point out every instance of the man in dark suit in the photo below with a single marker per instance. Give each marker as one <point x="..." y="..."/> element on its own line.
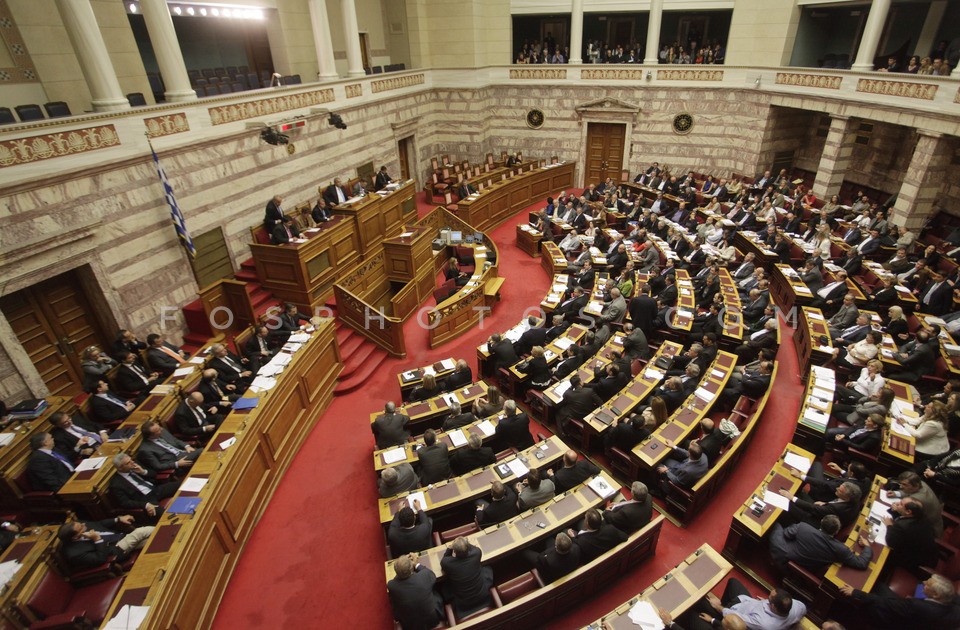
<point x="910" y="536"/>
<point x="382" y="179"/>
<point x="434" y="459"/>
<point x="105" y="406"/>
<point x="196" y="419"/>
<point x="684" y="468"/>
<point x="811" y="276"/>
<point x="163" y="357"/>
<point x="132" y="379"/>
<point x="161" y="451"/>
<point x="414" y="602"/>
<point x="390" y="428"/>
<point x="86" y="544"/>
<point x="570" y="361"/>
<point x="557" y="328"/>
<point x="635" y="344"/>
<point x="596" y="537"/>
<point x="757" y="341"/>
<point x="135" y="487"/>
<point x="535" y="335"/>
<point x="571" y="307"/>
<point x="399" y="478"/>
<point x="746" y="268"/>
<point x="75" y="438"/>
<point x="574" y="472"/>
<point x="577" y="402"/>
<point x="937" y="297"/>
<point x="285" y="231"/>
<point x="845" y="506"/>
<point x="230" y="368"/>
<point x="467" y="584"/>
<point x="457" y="418"/>
<point x="672" y="394"/>
<point x="917" y="357"/>
<point x="939" y="608"/>
<point x="127" y="341"/>
<point x="501" y="352"/>
<point x="465" y="189"/>
<point x="753" y="385"/>
<point x="291" y="320"/>
<point x="815" y="549"/>
<point x="335" y="193"/>
<point x="47" y="468"/>
<point x="215" y="393"/>
<point x="513" y="429"/>
<point x="560" y="558"/>
<point x="792" y="224"/>
<point x="461" y="376"/>
<point x="257" y="350"/>
<point x="586" y="277"/>
<point x="474" y="455"/>
<point x="633" y="515"/>
<point x="711" y="440"/>
<point x="274" y="214"/>
<point x="410" y="530"/>
<point x="832" y="294"/>
<point x="502" y="505"/>
<point x="643" y="311"/>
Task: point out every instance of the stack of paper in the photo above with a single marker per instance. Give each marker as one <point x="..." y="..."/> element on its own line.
<point x="653" y="374"/>
<point x="559" y="389"/>
<point x="563" y="343"/>
<point x="262" y="384"/>
<point x="301" y="337"/>
<point x="776" y="500"/>
<point x="487" y="428"/>
<point x="394" y="455"/>
<point x="8" y="569"/>
<point x="457" y="438"/>
<point x="183" y="371"/>
<point x="128" y="618"/>
<point x="92" y="463"/>
<point x="518" y="468"/>
<point x="6" y="438"/>
<point x="603" y="489"/>
<point x="799" y="462"/>
<point x="448" y="364"/>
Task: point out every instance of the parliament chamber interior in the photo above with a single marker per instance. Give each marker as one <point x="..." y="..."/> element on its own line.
<point x="645" y="313"/>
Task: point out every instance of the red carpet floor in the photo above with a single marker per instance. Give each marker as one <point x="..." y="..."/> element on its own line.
<point x="316" y="557"/>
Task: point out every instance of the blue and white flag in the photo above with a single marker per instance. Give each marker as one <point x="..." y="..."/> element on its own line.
<point x="175" y="213"/>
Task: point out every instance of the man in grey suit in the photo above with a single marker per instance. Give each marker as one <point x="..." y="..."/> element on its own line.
<point x="846" y="316"/>
<point x="688" y="467"/>
<point x="434" y="459"/>
<point x="616" y="309"/>
<point x="811" y="276"/>
<point x="630" y="516"/>
<point x="814" y="549"/>
<point x="161" y="451"/>
<point x="400" y="478"/>
<point x="390" y="427"/>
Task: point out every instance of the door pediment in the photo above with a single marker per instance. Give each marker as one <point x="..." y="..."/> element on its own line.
<point x="608" y="108"/>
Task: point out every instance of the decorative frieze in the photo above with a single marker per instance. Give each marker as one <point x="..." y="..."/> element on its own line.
<point x="395" y="83"/>
<point x="166" y="125"/>
<point x="54" y="145"/>
<point x="906" y="89"/>
<point x="798" y="79"/>
<point x="538" y="73"/>
<point x="266" y="106"/>
<point x="614" y="74"/>
<point x="353" y="90"/>
<point x="689" y="75"/>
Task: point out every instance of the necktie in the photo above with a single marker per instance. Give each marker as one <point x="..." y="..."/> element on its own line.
<point x="930" y="291"/>
<point x="115" y="400"/>
<point x="170" y="353"/>
<point x="143" y="485"/>
<point x="63" y="460"/>
<point x="289" y="234"/>
<point x="167" y="447"/>
<point x="200" y="414"/>
<point x="263" y="346"/>
<point x="78" y="432"/>
<point x="136" y="370"/>
<point x="850" y="329"/>
<point x="232" y="365"/>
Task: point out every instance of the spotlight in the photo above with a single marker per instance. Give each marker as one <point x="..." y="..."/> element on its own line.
<point x="272" y="136"/>
<point x="216" y="12"/>
<point x="133" y="8"/>
<point x="757" y="82"/>
<point x="203" y="11"/>
<point x="190" y="11"/>
<point x="177" y="10"/>
<point x="336" y="121"/>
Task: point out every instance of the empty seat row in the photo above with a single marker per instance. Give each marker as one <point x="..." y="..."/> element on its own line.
<point x="26" y="113"/>
<point x="208" y="73"/>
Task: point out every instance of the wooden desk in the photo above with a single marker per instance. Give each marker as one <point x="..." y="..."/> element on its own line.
<point x="675" y="592"/>
<point x="748" y="527"/>
<point x="682" y="317"/>
<point x="523" y="530"/>
<point x="466" y="488"/>
<point x="185" y="566"/>
<point x="788" y="289"/>
<point x="501" y="200"/>
<point x="552" y="258"/>
<point x="811" y="327"/>
<point x="732" y="314"/>
<point x="554" y="296"/>
<point x="14" y="456"/>
<point x="815" y="409"/>
<point x="32" y="549"/>
<point x="461" y="312"/>
<point x="749" y="242"/>
<point x="652" y="451"/>
<point x="528" y="239"/>
<point x="839" y="575"/>
<point x="422" y="413"/>
<point x="483" y="427"/>
<point x="380" y="215"/>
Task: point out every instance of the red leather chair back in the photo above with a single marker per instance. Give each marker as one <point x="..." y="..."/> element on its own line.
<point x="518" y="587"/>
<point x="51" y="597"/>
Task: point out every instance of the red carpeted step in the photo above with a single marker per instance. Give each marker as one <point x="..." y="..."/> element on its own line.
<point x="196" y="319"/>
<point x="359" y="350"/>
<point x="361" y="377"/>
<point x="248" y="264"/>
<point x="246" y="275"/>
<point x="259" y="296"/>
<point x="344" y="333"/>
<point x="193" y="341"/>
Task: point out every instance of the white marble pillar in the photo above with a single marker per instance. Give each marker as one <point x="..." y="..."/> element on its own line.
<point x="81" y="24"/>
<point x="653" y="32"/>
<point x="923" y="181"/>
<point x="351" y="34"/>
<point x="576" y="32"/>
<point x="835" y="158"/>
<point x="163" y="38"/>
<point x="322" y="40"/>
<point x="872" y="31"/>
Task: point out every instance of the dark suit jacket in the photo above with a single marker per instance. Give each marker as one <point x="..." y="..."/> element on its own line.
<point x="128" y="496"/>
<point x="552" y="565"/>
<point x="161" y="362"/>
<point x="533" y="337"/>
<point x="456" y="379"/>
<point x="105" y="411"/>
<point x="514" y="431"/>
<point x="941" y="301"/>
<point x="643" y="312"/>
<point x="66" y="442"/>
<point x="460" y="420"/>
<point x="572" y="309"/>
<point x="127" y="380"/>
<point x="434" y="463"/>
<point x="577" y="403"/>
<point x="415" y="604"/>
<point x="807" y="511"/>
<point x="911" y="542"/>
<point x="629" y="516"/>
<point x="594" y="544"/>
<point x="156" y="458"/>
<point x="466" y="459"/>
<point x="84" y="554"/>
<point x="499" y="511"/>
<point x="278" y="235"/>
<point x="668" y="297"/>
<point x="813" y="549"/>
<point x="330" y="194"/>
<point x="272" y="216"/>
<point x="566" y="478"/>
<point x="381" y="180"/>
<point x="187" y="423"/>
<point x="390" y="429"/>
<point x="403" y="541"/>
<point x="468" y="583"/>
<point x="46" y="472"/>
<point x="503" y="354"/>
<point x="712" y="444"/>
<point x="226" y="373"/>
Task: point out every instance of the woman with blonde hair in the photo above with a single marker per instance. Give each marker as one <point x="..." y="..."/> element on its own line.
<point x="930" y="430"/>
<point x="428" y="389"/>
<point x="897" y="327"/>
<point x="489" y="404"/>
<point x="656" y="412"/>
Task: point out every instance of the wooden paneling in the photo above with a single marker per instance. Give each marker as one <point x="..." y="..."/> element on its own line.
<point x="213" y="257"/>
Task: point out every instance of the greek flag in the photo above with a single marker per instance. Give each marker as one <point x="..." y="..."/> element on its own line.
<point x="175" y="213"/>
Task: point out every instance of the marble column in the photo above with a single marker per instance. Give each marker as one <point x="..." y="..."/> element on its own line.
<point x="872" y="31"/>
<point x="322" y="40"/>
<point x="166" y="48"/>
<point x="576" y="32"/>
<point x="653" y="32"/>
<point x="835" y="159"/>
<point x="351" y="34"/>
<point x="923" y="182"/>
<point x="84" y="33"/>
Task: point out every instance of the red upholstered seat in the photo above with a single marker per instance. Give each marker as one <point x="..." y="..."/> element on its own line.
<point x="260" y="236"/>
<point x="464" y="530"/>
<point x="519" y="586"/>
<point x="57" y="602"/>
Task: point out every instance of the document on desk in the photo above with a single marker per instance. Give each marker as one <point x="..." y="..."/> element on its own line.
<point x="776" y="500"/>
<point x="653" y="374"/>
<point x="457" y="438"/>
<point x="92" y="463"/>
<point x="518" y="468"/>
<point x="822" y="393"/>
<point x="448" y="364"/>
<point x="799" y="462"/>
<point x="416" y="496"/>
<point x="394" y="455"/>
<point x="128" y="618"/>
<point x="6" y="438"/>
<point x="643" y="614"/>
<point x="300" y="337"/>
<point x="183" y="371"/>
<point x="563" y="343"/>
<point x="429" y="370"/>
<point x="559" y="389"/>
<point x="823" y="372"/>
<point x="262" y="384"/>
<point x="603" y="489"/>
<point x="196" y="360"/>
<point x="193" y="484"/>
<point x="227" y="443"/>
<point x="814" y="315"/>
<point x="487" y="428"/>
<point x="704" y="394"/>
<point x="8" y="569"/>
